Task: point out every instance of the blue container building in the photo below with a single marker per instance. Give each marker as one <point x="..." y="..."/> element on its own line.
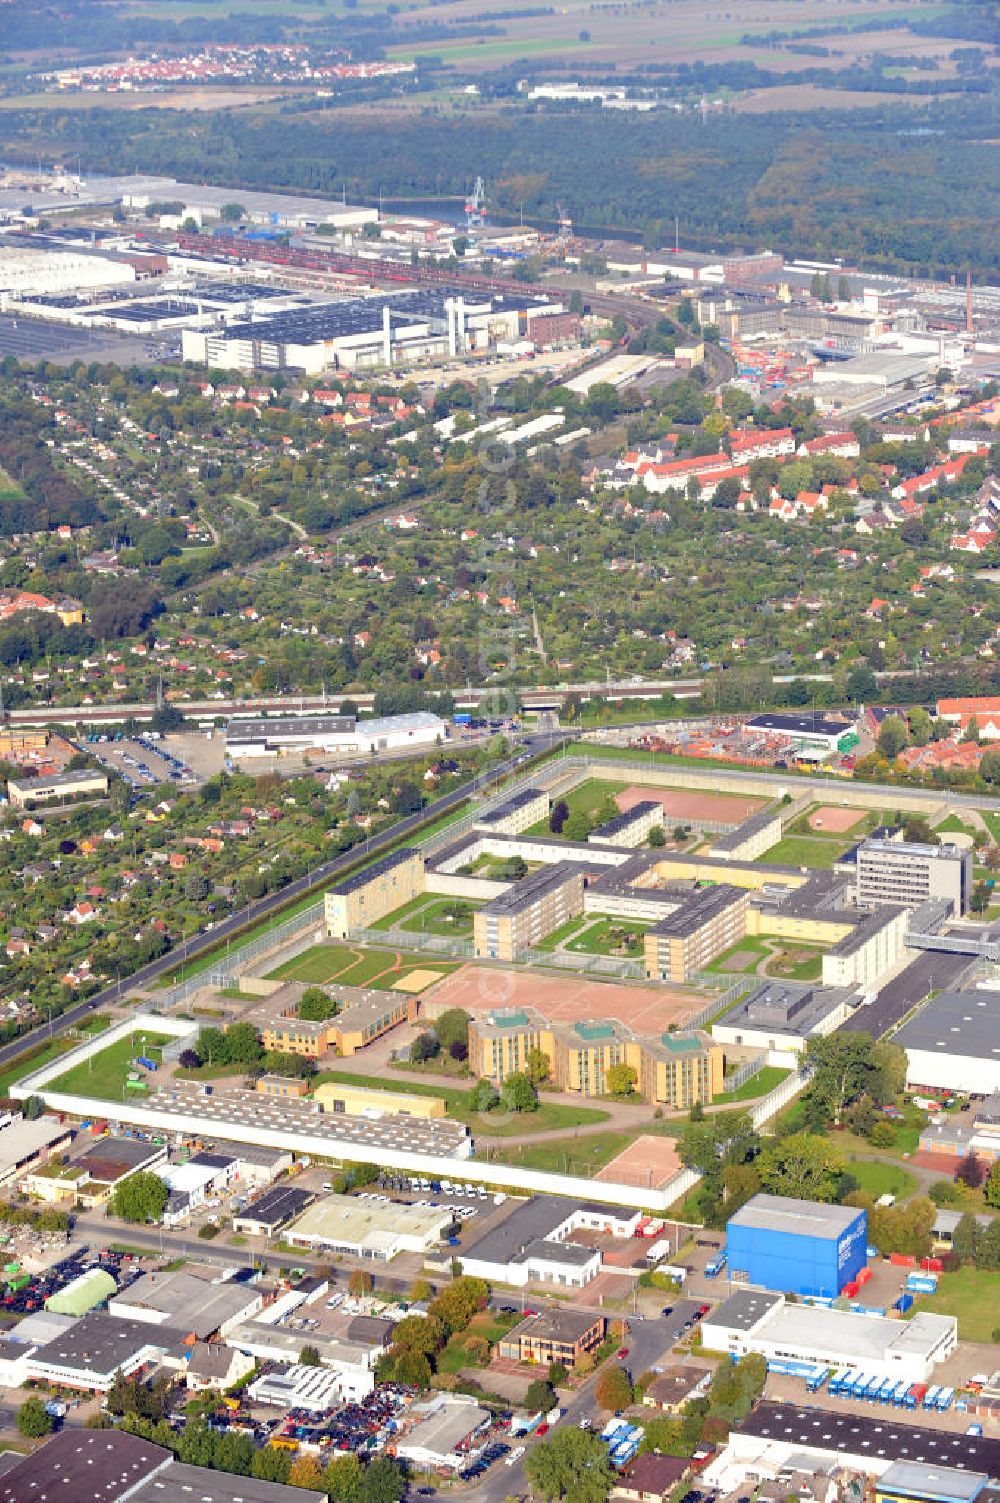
<point x="798" y="1247"/>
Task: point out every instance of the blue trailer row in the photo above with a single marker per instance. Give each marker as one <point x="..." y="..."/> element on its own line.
<point x="622" y="1440"/>
<point x="852" y="1383"/>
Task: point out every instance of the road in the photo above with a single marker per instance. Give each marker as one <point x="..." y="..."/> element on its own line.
<point x="929" y="972"/>
<point x="648" y="1341"/>
<point x="530" y="696"/>
<point x="235" y="923"/>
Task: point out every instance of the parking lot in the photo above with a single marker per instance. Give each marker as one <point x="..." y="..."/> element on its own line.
<point x="25" y="1292"/>
<point x="143" y="762"/>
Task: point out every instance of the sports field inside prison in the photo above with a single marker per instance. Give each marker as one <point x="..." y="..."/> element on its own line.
<point x="387" y="970"/>
<point x="573" y="998"/>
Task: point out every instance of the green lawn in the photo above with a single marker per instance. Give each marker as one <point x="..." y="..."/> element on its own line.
<point x="553" y="940"/>
<point x="9" y="488"/>
<point x="445" y="916"/>
<point x="208" y="958"/>
<point x="817" y="851"/>
<point x="488" y="1323"/>
<point x="602" y="938"/>
<point x="953" y="825"/>
<point x="549" y="1117"/>
<point x="579" y="1155"/>
<point x="587" y="798"/>
<point x="758" y="1085"/>
<point x="34" y="1059"/>
<point x="881" y="1178"/>
<point x="750" y="942"/>
<point x="324" y="964"/>
<point x="795" y="962"/>
<point x="430" y="915"/>
<point x="992" y="819"/>
<point x="103" y="1075"/>
<point x="971" y="1294"/>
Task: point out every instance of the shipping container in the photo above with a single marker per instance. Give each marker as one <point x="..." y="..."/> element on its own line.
<point x="902" y="1260"/>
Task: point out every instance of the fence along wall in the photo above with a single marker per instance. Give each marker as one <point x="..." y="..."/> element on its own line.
<point x="504" y="1176"/>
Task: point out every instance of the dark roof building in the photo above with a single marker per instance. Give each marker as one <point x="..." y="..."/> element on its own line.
<point x="876" y="1438"/>
<point x="102" y="1466"/>
<point x="272" y="1209"/>
<point x="377" y="868"/>
<point x="111" y="1466"/>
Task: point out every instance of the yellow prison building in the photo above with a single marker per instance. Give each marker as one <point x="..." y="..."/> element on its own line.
<point x="369" y="895"/>
<point x="673" y="1070"/>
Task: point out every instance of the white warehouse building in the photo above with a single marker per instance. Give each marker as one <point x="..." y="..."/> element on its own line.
<point x="756" y="1320"/>
<point x="333" y="733"/>
<point x="954" y="1043"/>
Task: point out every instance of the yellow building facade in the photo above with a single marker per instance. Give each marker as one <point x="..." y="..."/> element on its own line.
<point x="361" y="900"/>
<point x="673" y="1070"/>
<point x="366" y="1101"/>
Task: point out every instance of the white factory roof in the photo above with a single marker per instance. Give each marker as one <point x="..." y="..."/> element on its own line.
<point x="376" y="1229"/>
<point x="22" y="1140"/>
<point x="800" y="1218"/>
<point x="843" y="1336"/>
<point x="186" y="1179"/>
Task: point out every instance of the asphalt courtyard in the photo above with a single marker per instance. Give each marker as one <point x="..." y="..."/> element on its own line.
<point x="930" y="971"/>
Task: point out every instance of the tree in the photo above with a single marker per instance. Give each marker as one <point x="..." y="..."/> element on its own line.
<point x="141" y="1197"/>
<point x="418" y="1333"/>
<point x="483" y="1097"/>
<point x="309" y="1356"/>
<point x="657" y="836"/>
<point x="424" y="1047"/>
<point x="360" y="1282"/>
<point x="991" y="1192"/>
<point x="614" y="1389"/>
<point x="847" y="1066"/>
<point x="408" y="799"/>
<point x="558" y="815"/>
<point x="382" y="1481"/>
<point x="573" y="1464"/>
<point x="197" y="1444"/>
<point x="971" y="1171"/>
<point x="271" y="1466"/>
<point x="989" y="767"/>
<point x="518" y="1094"/>
<point x="243" y="1047"/>
<point x="621" y="1079"/>
<point x="943" y="1193"/>
<point x="316" y="1006"/>
<point x="558" y="1374"/>
<point x="189" y="1059"/>
<point x="458" y="1302"/>
<point x="920" y="726"/>
<point x="452" y="1027"/>
<point x="342" y="1479"/>
<point x="233" y="1453"/>
<point x="212" y="1046"/>
<point x="32" y="1420"/>
<point x="232" y="213"/>
<point x="537" y="1064"/>
<point x="577" y="826"/>
<point x="33" y="1108"/>
<point x="803" y="1165"/>
<point x="305" y="1471"/>
<point x="965" y="1239"/>
<point x="892" y="737"/>
<point x="540" y="1396"/>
